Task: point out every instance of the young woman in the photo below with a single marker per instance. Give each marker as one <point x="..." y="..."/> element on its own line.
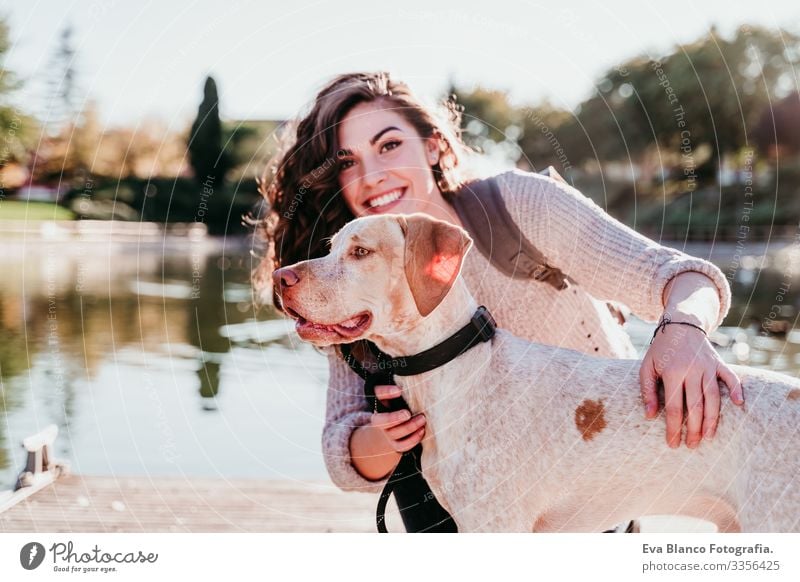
<point x="370" y="146"/>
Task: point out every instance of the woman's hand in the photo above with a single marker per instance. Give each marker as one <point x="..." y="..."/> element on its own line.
<point x="375" y="448"/>
<point x="684" y="359"/>
<point x="402" y="431"/>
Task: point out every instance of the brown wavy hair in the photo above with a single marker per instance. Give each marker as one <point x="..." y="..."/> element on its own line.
<point x="300" y="183"/>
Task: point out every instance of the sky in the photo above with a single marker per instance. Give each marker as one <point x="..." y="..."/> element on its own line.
<point x="141" y="59"/>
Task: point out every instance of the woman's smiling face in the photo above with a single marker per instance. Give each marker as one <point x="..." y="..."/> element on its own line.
<point x="386" y="166"/>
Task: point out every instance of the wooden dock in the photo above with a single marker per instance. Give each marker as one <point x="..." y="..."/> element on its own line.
<point x="48" y="499"/>
<point x="77" y="503"/>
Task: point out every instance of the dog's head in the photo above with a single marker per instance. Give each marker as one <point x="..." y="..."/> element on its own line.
<point x="382" y="276"/>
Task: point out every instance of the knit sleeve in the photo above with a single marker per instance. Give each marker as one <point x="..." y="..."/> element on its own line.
<point x="610" y="260"/>
<point x="344" y="412"/>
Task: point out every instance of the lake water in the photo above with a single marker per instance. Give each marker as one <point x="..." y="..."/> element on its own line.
<point x="143" y="356"/>
<point x="151" y="360"/>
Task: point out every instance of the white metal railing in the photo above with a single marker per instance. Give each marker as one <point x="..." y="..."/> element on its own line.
<point x="41" y="469"/>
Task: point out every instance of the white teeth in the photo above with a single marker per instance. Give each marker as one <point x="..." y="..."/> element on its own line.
<point x="386" y="198"/>
<point x="351" y="323"/>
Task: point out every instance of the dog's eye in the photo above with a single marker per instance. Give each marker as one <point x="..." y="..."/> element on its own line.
<point x="361" y="252"/>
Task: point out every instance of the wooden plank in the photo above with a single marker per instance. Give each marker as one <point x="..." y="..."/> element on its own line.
<point x="38" y="482"/>
<point x="78" y="503"/>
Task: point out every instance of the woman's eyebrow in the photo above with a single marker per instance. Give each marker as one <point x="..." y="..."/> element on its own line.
<point x="376" y="137"/>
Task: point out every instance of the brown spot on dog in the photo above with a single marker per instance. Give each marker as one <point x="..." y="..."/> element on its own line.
<point x="793" y="395"/>
<point x="590" y="418"/>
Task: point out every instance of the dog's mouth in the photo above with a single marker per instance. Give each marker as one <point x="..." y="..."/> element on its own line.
<point x="348" y="329"/>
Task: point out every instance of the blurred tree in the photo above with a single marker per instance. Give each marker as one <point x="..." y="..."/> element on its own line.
<point x="490" y="123"/>
<point x="778" y="129"/>
<point x="603" y="128"/>
<point x="62" y="107"/>
<point x="147" y="150"/>
<point x="68" y="139"/>
<point x="72" y="150"/>
<point x="18" y="129"/>
<point x="206" y="150"/>
<point x="542" y="138"/>
<point x="8" y="81"/>
<point x="702" y="100"/>
<point x="249" y="142"/>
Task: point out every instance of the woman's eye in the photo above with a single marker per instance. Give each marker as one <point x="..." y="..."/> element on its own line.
<point x="394" y="143"/>
<point x="345" y="164"/>
<point x="360" y="252"/>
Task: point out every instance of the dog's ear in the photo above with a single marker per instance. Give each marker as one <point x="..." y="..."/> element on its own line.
<point x="434" y="253"/>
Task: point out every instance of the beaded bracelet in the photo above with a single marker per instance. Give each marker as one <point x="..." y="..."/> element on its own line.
<point x="665" y="321"/>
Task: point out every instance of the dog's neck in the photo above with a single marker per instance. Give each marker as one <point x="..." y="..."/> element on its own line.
<point x="453" y="313"/>
<point x="423" y="391"/>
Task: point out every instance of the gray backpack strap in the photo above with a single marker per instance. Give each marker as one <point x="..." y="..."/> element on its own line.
<point x="481" y="209"/>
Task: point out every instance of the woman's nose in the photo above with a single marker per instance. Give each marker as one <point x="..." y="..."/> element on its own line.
<point x="283" y="278"/>
<point x="374" y="177"/>
<point x="374" y="173"/>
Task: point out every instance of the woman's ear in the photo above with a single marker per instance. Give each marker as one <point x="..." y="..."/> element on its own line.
<point x="433" y="150"/>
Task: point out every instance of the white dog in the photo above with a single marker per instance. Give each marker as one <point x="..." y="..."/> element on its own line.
<point x="526" y="437"/>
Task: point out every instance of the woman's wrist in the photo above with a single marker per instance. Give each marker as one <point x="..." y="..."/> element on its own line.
<point x="685" y="322"/>
<point x="692" y="297"/>
<point x="678" y="316"/>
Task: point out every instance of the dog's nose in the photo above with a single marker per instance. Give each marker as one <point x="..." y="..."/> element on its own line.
<point x="283" y="278"/>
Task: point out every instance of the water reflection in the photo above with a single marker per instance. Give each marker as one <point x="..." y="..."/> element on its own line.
<point x="207" y="312"/>
<point x="120" y="346"/>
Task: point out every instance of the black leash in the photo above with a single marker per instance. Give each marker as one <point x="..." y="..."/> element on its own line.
<point x="481" y="328"/>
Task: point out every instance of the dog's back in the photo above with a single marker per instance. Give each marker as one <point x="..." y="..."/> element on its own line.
<point x="575" y="424"/>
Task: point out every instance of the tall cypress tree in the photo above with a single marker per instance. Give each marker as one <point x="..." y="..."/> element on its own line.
<point x="206" y="153"/>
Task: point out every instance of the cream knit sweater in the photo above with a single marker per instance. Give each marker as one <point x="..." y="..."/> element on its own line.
<point x="608" y="260"/>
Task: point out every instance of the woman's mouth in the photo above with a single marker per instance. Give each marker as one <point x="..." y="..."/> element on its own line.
<point x="384" y="202"/>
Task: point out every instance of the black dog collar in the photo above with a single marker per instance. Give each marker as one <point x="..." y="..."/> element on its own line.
<point x="481" y="328"/>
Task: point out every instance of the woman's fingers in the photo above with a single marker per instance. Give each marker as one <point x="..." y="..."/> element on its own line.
<point x="693" y="385"/>
<point x="386" y="392"/>
<point x="387" y="420"/>
<point x="402" y="431"/>
<point x="405" y="429"/>
<point x="647" y="381"/>
<point x="711" y="405"/>
<point x="732" y="381"/>
<point x="673" y="409"/>
<point x="410" y="442"/>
